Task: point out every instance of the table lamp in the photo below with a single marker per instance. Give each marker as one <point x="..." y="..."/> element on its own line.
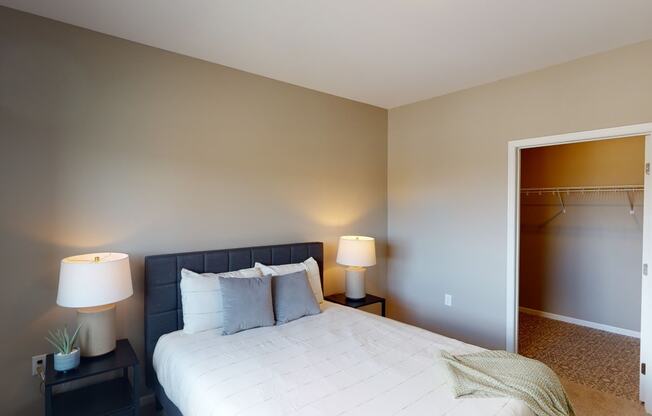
<point x="93" y="283"/>
<point x="357" y="253"/>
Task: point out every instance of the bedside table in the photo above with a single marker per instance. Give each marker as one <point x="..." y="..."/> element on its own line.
<point x="116" y="397"/>
<point x="341" y="299"/>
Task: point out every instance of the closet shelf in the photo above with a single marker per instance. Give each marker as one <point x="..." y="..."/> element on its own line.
<point x="582" y="189"/>
<point x="567" y="190"/>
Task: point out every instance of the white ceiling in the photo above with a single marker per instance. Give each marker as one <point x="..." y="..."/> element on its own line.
<point x="382" y="52"/>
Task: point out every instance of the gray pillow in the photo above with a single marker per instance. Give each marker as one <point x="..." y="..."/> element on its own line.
<point x="293" y="297"/>
<point x="247" y="303"/>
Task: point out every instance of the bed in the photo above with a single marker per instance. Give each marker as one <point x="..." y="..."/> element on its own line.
<point x="340" y="362"/>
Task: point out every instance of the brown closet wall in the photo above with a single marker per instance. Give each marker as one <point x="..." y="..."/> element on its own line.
<point x="586" y="263"/>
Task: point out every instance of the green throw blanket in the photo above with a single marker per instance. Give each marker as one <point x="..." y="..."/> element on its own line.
<point x="501" y="373"/>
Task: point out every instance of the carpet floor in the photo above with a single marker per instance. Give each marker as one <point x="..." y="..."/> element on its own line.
<point x="591" y="402"/>
<point x="597" y="359"/>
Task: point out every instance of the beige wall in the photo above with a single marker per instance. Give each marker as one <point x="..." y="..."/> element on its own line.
<point x="585" y="263"/>
<point x="111" y="145"/>
<point x="447" y="181"/>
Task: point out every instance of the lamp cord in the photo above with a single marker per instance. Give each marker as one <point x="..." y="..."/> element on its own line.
<point x="41" y="374"/>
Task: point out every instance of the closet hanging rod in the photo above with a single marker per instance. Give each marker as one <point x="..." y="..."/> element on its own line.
<point x="583" y="189"/>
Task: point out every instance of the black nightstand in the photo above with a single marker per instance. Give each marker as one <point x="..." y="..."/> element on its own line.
<point x="341" y="299"/>
<point x="116" y="397"/>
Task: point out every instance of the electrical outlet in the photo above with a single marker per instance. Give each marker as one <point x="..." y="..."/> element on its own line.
<point x="38" y="361"/>
<point x="448" y="300"/>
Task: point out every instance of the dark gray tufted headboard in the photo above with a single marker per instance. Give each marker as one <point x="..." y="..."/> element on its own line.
<point x="163" y="273"/>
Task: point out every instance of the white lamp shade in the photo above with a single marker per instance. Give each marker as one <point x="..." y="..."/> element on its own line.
<point x="355" y="250"/>
<point x="94" y="279"/>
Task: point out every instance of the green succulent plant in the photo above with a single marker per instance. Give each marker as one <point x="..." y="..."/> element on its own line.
<point x="62" y="341"/>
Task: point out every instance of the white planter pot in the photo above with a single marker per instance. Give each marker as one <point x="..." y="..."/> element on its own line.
<point x="66" y="362"/>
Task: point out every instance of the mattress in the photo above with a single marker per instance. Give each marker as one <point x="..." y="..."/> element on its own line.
<point x="340" y="362"/>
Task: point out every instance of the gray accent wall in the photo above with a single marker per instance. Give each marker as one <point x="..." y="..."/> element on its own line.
<point x="106" y="144"/>
<point x="447" y="181"/>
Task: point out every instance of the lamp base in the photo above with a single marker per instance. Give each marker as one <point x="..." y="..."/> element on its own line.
<point x="355" y="283"/>
<point x="97" y="331"/>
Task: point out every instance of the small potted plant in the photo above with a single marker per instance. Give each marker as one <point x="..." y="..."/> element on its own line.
<point x="67" y="355"/>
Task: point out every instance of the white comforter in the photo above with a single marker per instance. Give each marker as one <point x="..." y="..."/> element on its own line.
<point x="340" y="362"/>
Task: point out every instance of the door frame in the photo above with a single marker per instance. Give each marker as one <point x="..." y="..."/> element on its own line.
<point x="514" y="148"/>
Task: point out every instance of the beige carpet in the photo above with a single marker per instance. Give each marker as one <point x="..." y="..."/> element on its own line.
<point x="586" y="359"/>
<point x="591" y="402"/>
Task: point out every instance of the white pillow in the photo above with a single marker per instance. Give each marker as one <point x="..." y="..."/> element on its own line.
<point x="201" y="298"/>
<point x="309" y="266"/>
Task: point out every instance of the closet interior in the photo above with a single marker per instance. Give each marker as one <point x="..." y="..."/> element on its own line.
<point x="580" y="258"/>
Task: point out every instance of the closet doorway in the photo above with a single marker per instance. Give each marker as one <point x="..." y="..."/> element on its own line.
<point x="580" y="256"/>
<point x="577" y="297"/>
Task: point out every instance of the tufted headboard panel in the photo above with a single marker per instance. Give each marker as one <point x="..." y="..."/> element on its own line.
<point x="163" y="312"/>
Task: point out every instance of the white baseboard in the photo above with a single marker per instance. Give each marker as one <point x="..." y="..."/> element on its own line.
<point x="581" y="322"/>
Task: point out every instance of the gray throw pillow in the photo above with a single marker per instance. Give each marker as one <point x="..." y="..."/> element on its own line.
<point x="247" y="303"/>
<point x="293" y="297"/>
